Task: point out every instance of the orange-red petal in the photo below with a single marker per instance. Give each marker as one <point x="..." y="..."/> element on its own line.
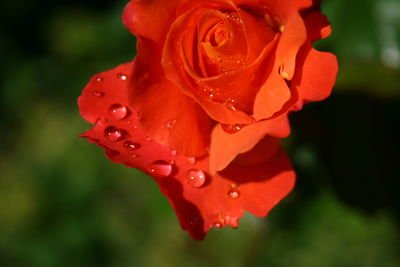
<point x="293" y="37"/>
<point x="172" y="118"/>
<point x="150" y="18"/>
<point x="216" y="200"/>
<point x="226" y="146"/>
<point x="273" y="95"/>
<point x="317" y="25"/>
<point x="318" y="74"/>
<point x="176" y="69"/>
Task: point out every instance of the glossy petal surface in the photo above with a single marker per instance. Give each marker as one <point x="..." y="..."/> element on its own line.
<point x="255" y="186"/>
<point x="205" y="103"/>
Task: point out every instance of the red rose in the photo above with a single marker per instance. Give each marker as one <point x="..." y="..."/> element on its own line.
<point x="204" y="104"/>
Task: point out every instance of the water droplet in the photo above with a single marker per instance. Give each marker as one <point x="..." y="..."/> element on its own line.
<point x="122" y="76"/>
<point x="118" y="112"/>
<point x="97" y="93"/>
<point x="174" y="152"/>
<point x="233" y="186"/>
<point x="114" y="134"/>
<point x="160" y="169"/>
<point x="196" y="178"/>
<point x="282" y="28"/>
<point x="232" y="128"/>
<point x="131" y="145"/>
<point x="230" y="104"/>
<point x="284" y="75"/>
<point x="217" y="225"/>
<point x="134" y="156"/>
<point x="191" y="160"/>
<point x="98" y="79"/>
<point x="170" y="124"/>
<point x="234" y="194"/>
<point x="148" y="139"/>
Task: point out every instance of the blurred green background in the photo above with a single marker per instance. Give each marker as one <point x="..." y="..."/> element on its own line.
<point x="62" y="203"/>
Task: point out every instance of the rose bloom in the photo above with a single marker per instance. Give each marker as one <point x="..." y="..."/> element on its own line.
<point x="204" y="104"/>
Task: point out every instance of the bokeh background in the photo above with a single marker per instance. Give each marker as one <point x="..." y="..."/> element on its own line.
<point x="62" y="203"/>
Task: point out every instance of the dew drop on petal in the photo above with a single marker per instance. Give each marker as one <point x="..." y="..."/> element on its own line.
<point x="131" y="145"/>
<point x="114" y="134"/>
<point x="98" y="79"/>
<point x="232" y="128"/>
<point x="122" y="76"/>
<point x="174" y="152"/>
<point x="191" y="160"/>
<point x="230" y="104"/>
<point x="217" y="225"/>
<point x="134" y="156"/>
<point x="234" y="194"/>
<point x="148" y="139"/>
<point x="284" y="75"/>
<point x="233" y="186"/>
<point x="196" y="178"/>
<point x="97" y="93"/>
<point x="160" y="169"/>
<point x="170" y="124"/>
<point x="118" y="112"/>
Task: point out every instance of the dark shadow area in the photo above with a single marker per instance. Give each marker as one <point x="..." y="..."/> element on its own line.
<point x="355" y="138"/>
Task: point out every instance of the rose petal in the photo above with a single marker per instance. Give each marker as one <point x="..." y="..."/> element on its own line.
<point x="318" y="74"/>
<point x="150" y="18"/>
<point x="172" y="118"/>
<point x="214" y="202"/>
<point x="317" y="25"/>
<point x="272" y="95"/>
<point x="261" y="187"/>
<point x="95" y="101"/>
<point x="243" y="85"/>
<point x="226" y="146"/>
<point x="285" y="13"/>
<point x="301" y="4"/>
<point x="172" y="64"/>
<point x="293" y="36"/>
<point x="258" y="35"/>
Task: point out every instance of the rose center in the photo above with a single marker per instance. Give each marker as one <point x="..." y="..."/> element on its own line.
<point x="218" y="35"/>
